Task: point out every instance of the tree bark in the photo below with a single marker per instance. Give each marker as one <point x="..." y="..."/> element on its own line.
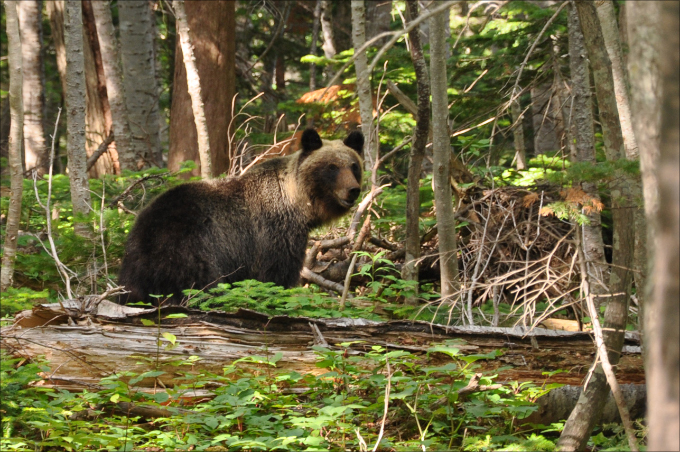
<point x="114" y="83"/>
<point x="327" y="29"/>
<point x="644" y="58"/>
<point x="412" y="240"/>
<point x="518" y="135"/>
<point x="15" y="141"/>
<point x="30" y="27"/>
<point x="611" y="35"/>
<point x="194" y="86"/>
<point x="98" y="121"/>
<point x="579" y="426"/>
<point x="364" y="84"/>
<point x="663" y="338"/>
<point x="441" y="149"/>
<point x="312" y="51"/>
<point x="212" y="27"/>
<point x="55" y="10"/>
<point x="582" y="133"/>
<point x="136" y="39"/>
<point x="75" y="113"/>
<point x="378" y="16"/>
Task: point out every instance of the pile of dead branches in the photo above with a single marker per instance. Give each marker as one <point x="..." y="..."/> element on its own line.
<point x="511" y="251"/>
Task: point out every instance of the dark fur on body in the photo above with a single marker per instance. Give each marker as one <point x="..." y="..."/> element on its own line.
<point x="254" y="226"/>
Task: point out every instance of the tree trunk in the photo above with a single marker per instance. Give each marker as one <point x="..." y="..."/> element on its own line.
<point x="643" y="20"/>
<point x="30" y="27"/>
<point x="518" y="135"/>
<point x="327" y="29"/>
<point x="412" y="240"/>
<point x="194" y="86"/>
<point x="75" y="113"/>
<point x="212" y="27"/>
<point x="114" y="83"/>
<point x="364" y="84"/>
<point x="663" y="339"/>
<point x="610" y="32"/>
<point x="15" y="141"/>
<point x="98" y="119"/>
<point x="141" y="99"/>
<point x="441" y="149"/>
<point x="96" y="125"/>
<point x="582" y="133"/>
<point x="312" y="51"/>
<point x="378" y="16"/>
<point x="579" y="426"/>
<point x="55" y="10"/>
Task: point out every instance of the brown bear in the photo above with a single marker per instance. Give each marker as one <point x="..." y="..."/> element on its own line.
<point x="254" y="226"/>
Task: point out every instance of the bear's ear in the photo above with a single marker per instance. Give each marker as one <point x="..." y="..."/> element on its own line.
<point x="310" y="141"/>
<point x="355" y="140"/>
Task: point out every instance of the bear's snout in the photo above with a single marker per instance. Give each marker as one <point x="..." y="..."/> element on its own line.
<point x="353" y="194"/>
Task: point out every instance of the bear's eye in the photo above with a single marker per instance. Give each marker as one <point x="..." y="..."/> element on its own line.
<point x="333" y="167"/>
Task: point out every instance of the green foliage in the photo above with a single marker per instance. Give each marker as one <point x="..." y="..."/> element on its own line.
<point x="253" y="410"/>
<point x="20" y="299"/>
<point x="274" y="300"/>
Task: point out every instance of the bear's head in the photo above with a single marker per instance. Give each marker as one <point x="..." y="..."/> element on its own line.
<point x="329" y="174"/>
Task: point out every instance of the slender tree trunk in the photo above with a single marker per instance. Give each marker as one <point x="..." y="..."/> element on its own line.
<point x="136" y="39"/>
<point x="212" y="27"/>
<point x="114" y="83"/>
<point x="663" y="338"/>
<point x="441" y="149"/>
<point x="582" y="133"/>
<point x="315" y="39"/>
<point x="75" y="113"/>
<point x="194" y="84"/>
<point x="610" y="32"/>
<point x="30" y="27"/>
<point x="15" y="140"/>
<point x="579" y="426"/>
<point x="412" y="241"/>
<point x="518" y="135"/>
<point x="364" y="83"/>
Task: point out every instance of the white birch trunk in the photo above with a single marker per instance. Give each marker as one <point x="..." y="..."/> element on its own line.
<point x="30" y="27"/>
<point x="363" y="83"/>
<point x="141" y="92"/>
<point x="75" y="113"/>
<point x="14" y="144"/>
<point x="114" y="83"/>
<point x="194" y="87"/>
<point x="441" y="149"/>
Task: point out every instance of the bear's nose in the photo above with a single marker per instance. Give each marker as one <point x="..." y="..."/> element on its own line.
<point x="354" y="194"/>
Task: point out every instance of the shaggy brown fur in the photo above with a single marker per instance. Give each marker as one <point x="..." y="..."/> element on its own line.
<point x="254" y="226"/>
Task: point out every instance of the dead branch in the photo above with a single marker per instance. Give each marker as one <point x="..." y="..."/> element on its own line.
<point x="320" y="281"/>
<point x="103" y="147"/>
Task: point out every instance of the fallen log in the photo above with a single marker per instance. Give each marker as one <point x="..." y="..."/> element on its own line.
<point x="85" y="340"/>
